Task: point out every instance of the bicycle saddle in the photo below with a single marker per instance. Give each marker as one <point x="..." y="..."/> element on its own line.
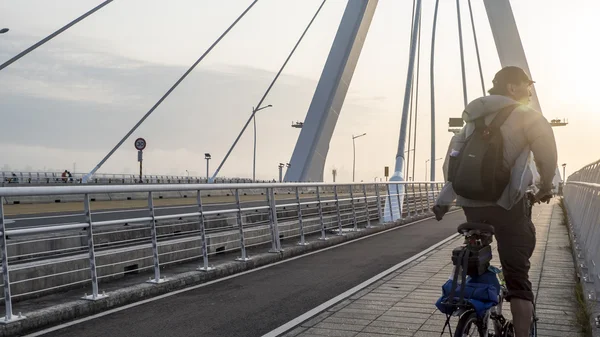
<point x="482" y="227"/>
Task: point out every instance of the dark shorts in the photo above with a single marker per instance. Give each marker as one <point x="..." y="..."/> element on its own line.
<point x="515" y="235"/>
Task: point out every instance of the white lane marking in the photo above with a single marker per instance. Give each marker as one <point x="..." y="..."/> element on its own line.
<point x="128" y="306"/>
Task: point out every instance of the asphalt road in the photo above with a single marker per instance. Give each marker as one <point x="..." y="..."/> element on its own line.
<point x="256" y="303"/>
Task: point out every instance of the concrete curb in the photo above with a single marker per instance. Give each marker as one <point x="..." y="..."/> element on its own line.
<point x="54" y="315"/>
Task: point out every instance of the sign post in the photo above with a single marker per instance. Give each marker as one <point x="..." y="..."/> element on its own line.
<point x="140" y="145"/>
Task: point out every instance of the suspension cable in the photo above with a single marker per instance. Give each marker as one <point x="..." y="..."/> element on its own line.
<point x="417" y="99"/>
<point x="410" y="113"/>
<point x="51" y="36"/>
<point x="268" y="90"/>
<point x="462" y="53"/>
<point x="86" y="177"/>
<point x="432" y="93"/>
<point x="477" y="48"/>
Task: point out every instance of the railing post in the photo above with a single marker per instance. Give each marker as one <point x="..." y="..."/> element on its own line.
<point x="302" y="241"/>
<point x="276" y="248"/>
<point x="389" y="195"/>
<point x="400" y="202"/>
<point x="92" y="255"/>
<point x="337" y="206"/>
<point x="320" y="206"/>
<point x="367" y="206"/>
<point x="379" y="211"/>
<point x="157" y="278"/>
<point x="205" y="266"/>
<point x="428" y="198"/>
<point x="355" y="228"/>
<point x="8" y="317"/>
<point x="421" y="199"/>
<point x="244" y="257"/>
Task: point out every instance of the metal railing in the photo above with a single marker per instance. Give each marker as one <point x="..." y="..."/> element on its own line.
<point x="97" y="246"/>
<point x="14" y="178"/>
<point x="582" y="199"/>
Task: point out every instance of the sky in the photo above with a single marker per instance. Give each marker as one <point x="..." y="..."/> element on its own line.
<point x="65" y="105"/>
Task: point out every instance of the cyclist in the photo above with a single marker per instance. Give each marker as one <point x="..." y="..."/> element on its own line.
<point x="523" y="132"/>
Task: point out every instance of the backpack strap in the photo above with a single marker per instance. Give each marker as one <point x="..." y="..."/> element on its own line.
<point x="498" y="120"/>
<point x="502" y="116"/>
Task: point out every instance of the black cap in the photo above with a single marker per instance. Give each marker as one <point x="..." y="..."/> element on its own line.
<point x="511" y="75"/>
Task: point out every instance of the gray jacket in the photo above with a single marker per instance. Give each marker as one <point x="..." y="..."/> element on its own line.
<point x="529" y="150"/>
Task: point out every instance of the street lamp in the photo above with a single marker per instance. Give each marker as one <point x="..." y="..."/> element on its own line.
<point x="4" y="30"/>
<point x="354" y="154"/>
<point x="281" y="165"/>
<point x="188" y="173"/>
<point x="426" y="162"/>
<point x="207" y="157"/>
<point x="254" y="111"/>
<point x="564" y="172"/>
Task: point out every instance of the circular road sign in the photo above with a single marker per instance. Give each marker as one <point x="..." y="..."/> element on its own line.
<point x="140" y="144"/>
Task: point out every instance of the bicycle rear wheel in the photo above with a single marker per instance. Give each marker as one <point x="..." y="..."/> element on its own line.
<point x="468" y="325"/>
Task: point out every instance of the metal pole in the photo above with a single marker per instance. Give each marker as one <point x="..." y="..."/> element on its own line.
<point x="399" y="201"/>
<point x="355" y="222"/>
<point x="407" y="91"/>
<point x="379" y="210"/>
<point x="92" y="255"/>
<point x="421" y="199"/>
<point x="462" y="53"/>
<point x="274" y="225"/>
<point x="205" y="267"/>
<point x="157" y="278"/>
<point x="141" y="181"/>
<point x="389" y="195"/>
<point x="367" y="206"/>
<point x="432" y="90"/>
<point x="302" y="240"/>
<point x="323" y="237"/>
<point x="5" y="273"/>
<point x="353" y="157"/>
<point x="337" y="206"/>
<point x="254" y="159"/>
<point x="244" y="257"/>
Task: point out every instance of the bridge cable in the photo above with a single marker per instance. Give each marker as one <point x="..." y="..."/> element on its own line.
<point x="85" y="178"/>
<point x="477" y="48"/>
<point x="417" y="100"/>
<point x="462" y="54"/>
<point x="432" y="93"/>
<point x="51" y="36"/>
<point x="411" y="97"/>
<point x="254" y="110"/>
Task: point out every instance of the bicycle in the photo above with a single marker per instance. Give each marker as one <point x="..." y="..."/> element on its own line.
<point x="478" y="237"/>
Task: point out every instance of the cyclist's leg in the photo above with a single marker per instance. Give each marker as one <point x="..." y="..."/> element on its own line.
<point x="515" y="235"/>
<point x="516" y="243"/>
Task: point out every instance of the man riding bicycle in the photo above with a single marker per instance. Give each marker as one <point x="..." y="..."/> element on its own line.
<point x="503" y="204"/>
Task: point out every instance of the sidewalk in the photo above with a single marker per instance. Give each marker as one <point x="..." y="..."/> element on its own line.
<point x="402" y="303"/>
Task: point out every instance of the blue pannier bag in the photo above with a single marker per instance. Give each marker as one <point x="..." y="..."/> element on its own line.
<point x="481" y="291"/>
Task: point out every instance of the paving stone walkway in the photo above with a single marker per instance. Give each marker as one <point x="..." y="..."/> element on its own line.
<point x="403" y="303"/>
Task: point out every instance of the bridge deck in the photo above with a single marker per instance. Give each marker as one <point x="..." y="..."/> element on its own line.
<point x="402" y="303"/>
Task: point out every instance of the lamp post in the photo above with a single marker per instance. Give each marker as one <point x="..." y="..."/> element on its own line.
<point x="564" y="172"/>
<point x="281" y="165"/>
<point x="354" y="154"/>
<point x="254" y="111"/>
<point x="207" y="157"/>
<point x="426" y="162"/>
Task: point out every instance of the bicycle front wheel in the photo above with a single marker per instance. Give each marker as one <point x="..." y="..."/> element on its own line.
<point x="468" y="325"/>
